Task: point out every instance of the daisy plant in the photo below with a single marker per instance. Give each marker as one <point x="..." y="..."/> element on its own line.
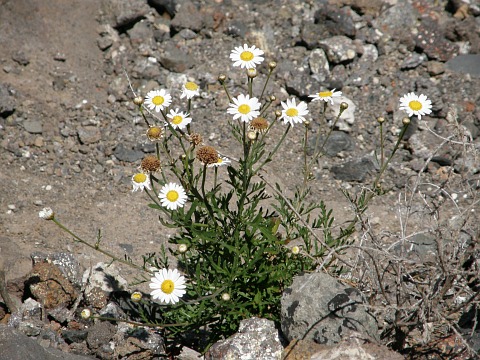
<point x="239" y="240"/>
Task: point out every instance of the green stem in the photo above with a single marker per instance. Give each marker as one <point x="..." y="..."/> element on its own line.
<point x="96" y="247"/>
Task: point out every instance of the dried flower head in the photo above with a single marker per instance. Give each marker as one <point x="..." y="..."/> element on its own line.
<point x="150" y="163"/>
<point x="259" y="124"/>
<point x="195" y="139"/>
<point x="207" y="155"/>
<point x="154" y="133"/>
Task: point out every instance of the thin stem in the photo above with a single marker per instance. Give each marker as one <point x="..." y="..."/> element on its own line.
<point x="96" y="247"/>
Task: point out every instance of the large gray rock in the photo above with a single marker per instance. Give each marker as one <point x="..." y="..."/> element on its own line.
<point x="319" y="308"/>
<point x="16" y="346"/>
<point x="256" y="339"/>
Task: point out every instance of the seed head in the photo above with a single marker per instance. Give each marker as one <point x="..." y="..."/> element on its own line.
<point x="150" y="163"/>
<point x="207" y="155"/>
<point x="259" y="124"/>
<point x="195" y="139"/>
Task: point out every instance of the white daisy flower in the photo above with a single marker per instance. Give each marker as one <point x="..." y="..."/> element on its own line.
<point x="415" y="105"/>
<point x="140" y="181"/>
<point x="244" y="108"/>
<point x="246" y="57"/>
<point x="46" y="214"/>
<point x="179" y="119"/>
<point x="190" y="89"/>
<point x="326" y="95"/>
<point x="293" y="113"/>
<point x="222" y="160"/>
<point x="172" y="196"/>
<point x="157" y="100"/>
<point x="168" y="286"/>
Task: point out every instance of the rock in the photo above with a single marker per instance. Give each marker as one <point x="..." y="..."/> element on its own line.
<point x="465" y="64"/>
<point x="188" y="16"/>
<point x="338" y="21"/>
<point x="99" y="337"/>
<point x="319" y="66"/>
<point x="338" y="49"/>
<point x="33" y="126"/>
<point x="300" y="349"/>
<point x="125" y="14"/>
<point x="338" y="141"/>
<point x="354" y="170"/>
<point x="66" y="262"/>
<point x="318" y="307"/>
<point x="71" y="336"/>
<point x="431" y="40"/>
<point x="136" y="342"/>
<point x="436" y="67"/>
<point x="161" y="6"/>
<point x="89" y="134"/>
<point x="49" y="286"/>
<point x="348" y="115"/>
<point x="395" y="21"/>
<point x="21" y="58"/>
<point x="16" y="346"/>
<point x="175" y="59"/>
<point x="256" y="339"/>
<point x="355" y="349"/>
<point x="129" y="155"/>
<point x="413" y="61"/>
<point x="7" y="100"/>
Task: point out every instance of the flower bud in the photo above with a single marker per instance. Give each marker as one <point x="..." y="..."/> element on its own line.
<point x="138" y="100"/>
<point x="295" y="250"/>
<point x="252" y="73"/>
<point x="406" y="121"/>
<point x="273" y="98"/>
<point x="278" y="113"/>
<point x="182" y="248"/>
<point x="222" y="78"/>
<point x="343" y="106"/>
<point x="85" y="314"/>
<point x="272" y="65"/>
<point x="136" y="296"/>
<point x="252" y="135"/>
<point x="380" y="120"/>
<point x="46" y="214"/>
<point x="226" y="297"/>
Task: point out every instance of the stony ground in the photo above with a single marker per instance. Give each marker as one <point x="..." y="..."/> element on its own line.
<point x="71" y="137"/>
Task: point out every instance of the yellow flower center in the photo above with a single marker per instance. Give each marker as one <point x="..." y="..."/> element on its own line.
<point x="172" y="196"/>
<point x="177" y="119"/>
<point x="168" y="286"/>
<point x="191" y="86"/>
<point x="244" y="109"/>
<point x="246" y="56"/>
<point x="158" y="100"/>
<point x="140" y="178"/>
<point x="219" y="161"/>
<point x="324" y="94"/>
<point x="291" y="112"/>
<point x="415" y="105"/>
